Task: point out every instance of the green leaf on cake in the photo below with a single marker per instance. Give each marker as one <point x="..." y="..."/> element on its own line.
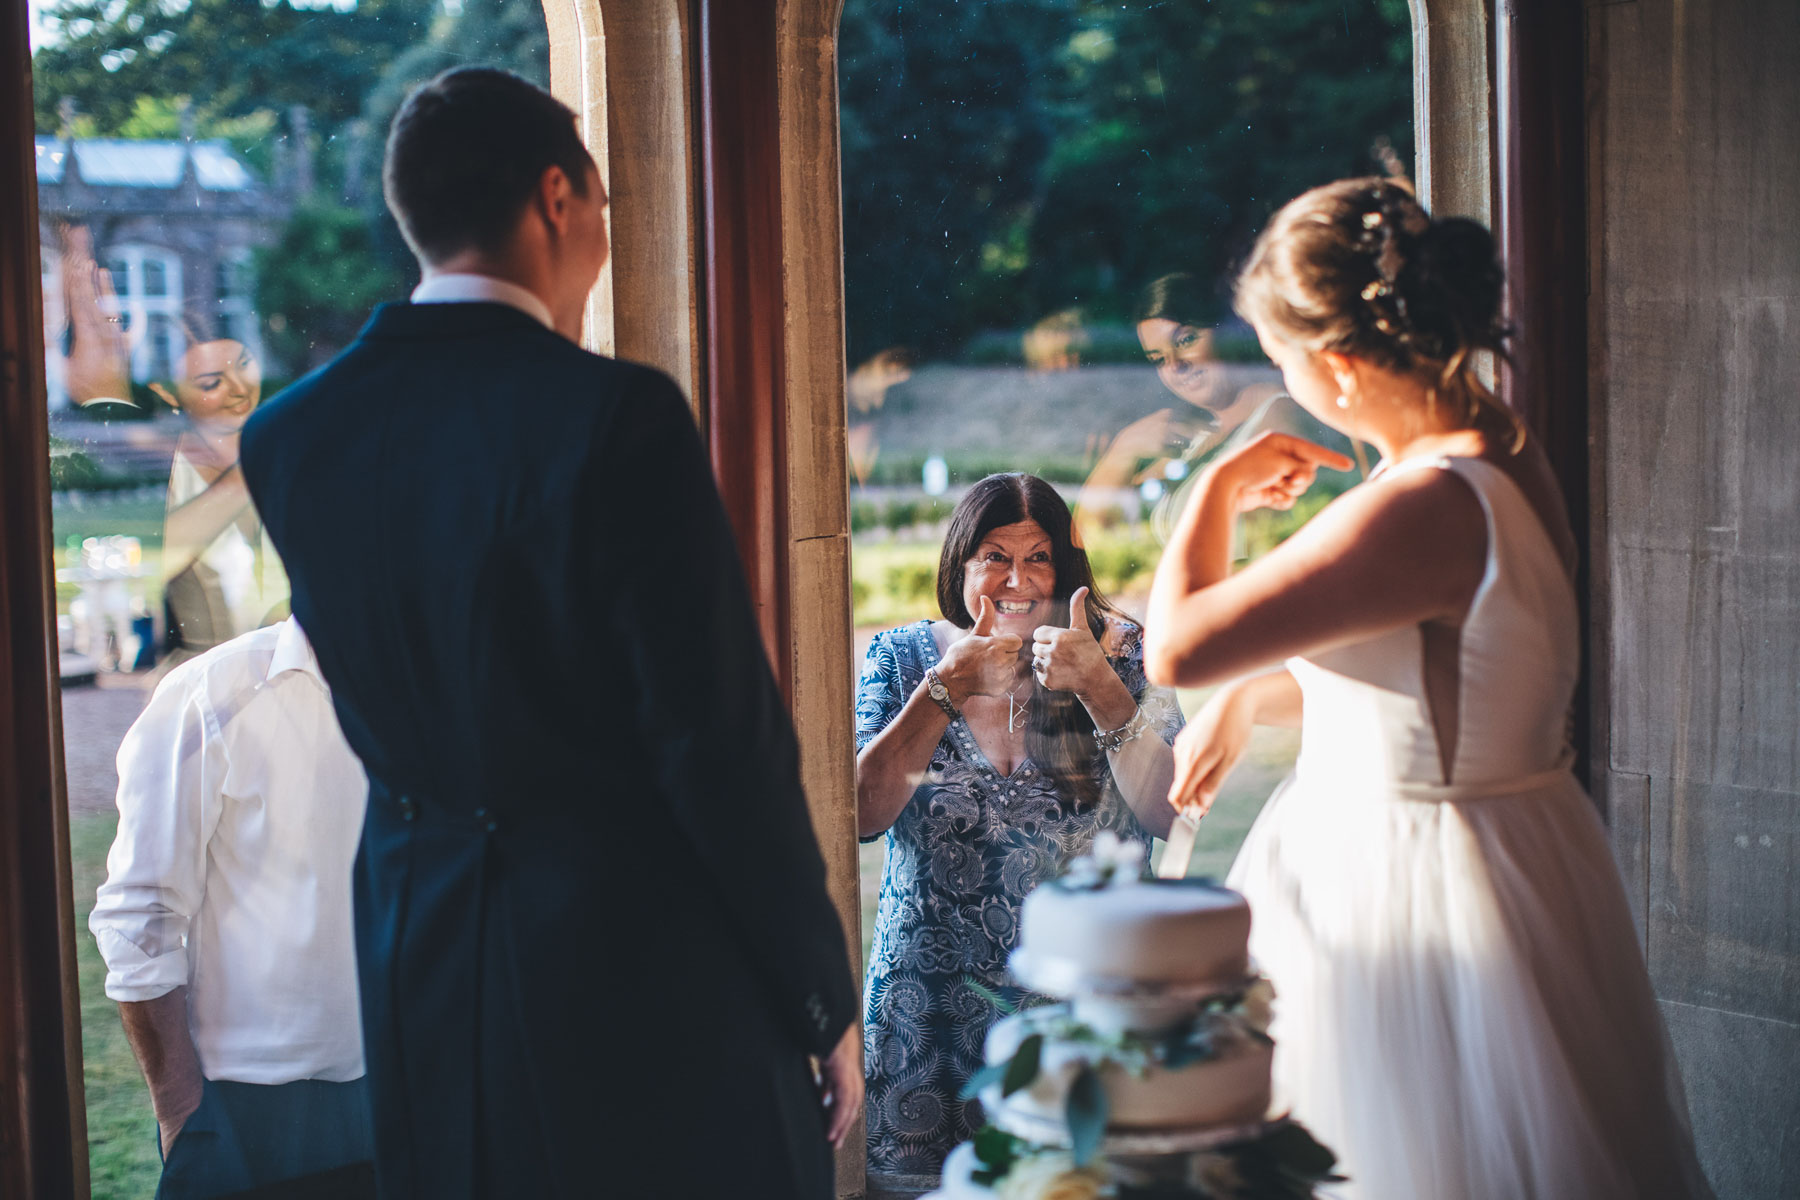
<point x="1022" y="1068"/>
<point x="1298" y="1151"/>
<point x="997" y="1151"/>
<point x="1284" y="1164"/>
<point x="1086" y="1114"/>
<point x="990" y="1074"/>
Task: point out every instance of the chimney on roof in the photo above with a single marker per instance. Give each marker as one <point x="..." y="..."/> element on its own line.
<point x="354" y="151"/>
<point x="300" y="139"/>
<point x="66" y="112"/>
<point x="190" y="170"/>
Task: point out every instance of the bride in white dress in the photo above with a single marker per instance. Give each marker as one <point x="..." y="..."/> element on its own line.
<point x="1463" y="1012"/>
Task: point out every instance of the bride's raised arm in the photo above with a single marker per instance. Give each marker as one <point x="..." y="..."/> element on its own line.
<point x="1405" y="549"/>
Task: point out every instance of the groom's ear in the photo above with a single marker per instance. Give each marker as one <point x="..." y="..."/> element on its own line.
<point x="551" y="199"/>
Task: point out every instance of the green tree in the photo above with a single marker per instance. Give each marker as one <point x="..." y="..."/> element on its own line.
<point x="316" y="286"/>
<point x="1193" y="122"/>
<point x="1005" y="161"/>
<point x="232" y="57"/>
<point x="509" y="34"/>
<point x="946" y="121"/>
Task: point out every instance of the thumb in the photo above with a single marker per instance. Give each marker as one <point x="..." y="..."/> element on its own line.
<point x="984" y="620"/>
<point x="1078" y="609"/>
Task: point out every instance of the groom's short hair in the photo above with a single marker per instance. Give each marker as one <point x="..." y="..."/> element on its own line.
<point x="465" y="153"/>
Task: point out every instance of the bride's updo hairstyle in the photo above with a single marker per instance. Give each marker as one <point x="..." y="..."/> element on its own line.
<point x="1359" y="268"/>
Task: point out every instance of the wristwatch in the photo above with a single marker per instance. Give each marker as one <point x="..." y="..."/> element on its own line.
<point x="934" y="687"/>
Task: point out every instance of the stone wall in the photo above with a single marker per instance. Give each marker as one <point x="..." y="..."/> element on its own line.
<point x="1694" y="177"/>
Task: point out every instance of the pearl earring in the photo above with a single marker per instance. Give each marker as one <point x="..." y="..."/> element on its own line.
<point x="1343" y="401"/>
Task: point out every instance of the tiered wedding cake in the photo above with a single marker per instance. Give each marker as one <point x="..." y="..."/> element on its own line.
<point x="1151" y="1077"/>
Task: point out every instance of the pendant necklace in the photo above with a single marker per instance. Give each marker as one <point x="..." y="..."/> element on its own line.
<point x="1016" y="708"/>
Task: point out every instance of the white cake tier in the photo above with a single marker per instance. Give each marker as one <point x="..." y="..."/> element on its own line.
<point x="1231" y="1089"/>
<point x="1156" y="932"/>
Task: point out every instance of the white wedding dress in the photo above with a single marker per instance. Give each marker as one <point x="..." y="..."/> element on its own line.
<point x="1462" y="1009"/>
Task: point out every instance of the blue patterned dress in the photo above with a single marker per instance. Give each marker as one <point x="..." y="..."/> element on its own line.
<point x="961" y="857"/>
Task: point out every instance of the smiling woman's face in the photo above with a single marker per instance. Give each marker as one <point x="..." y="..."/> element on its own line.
<point x="1183" y="358"/>
<point x="1013" y="568"/>
<point x="220" y="384"/>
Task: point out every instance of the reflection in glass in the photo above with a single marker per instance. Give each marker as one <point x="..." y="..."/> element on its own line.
<point x="1044" y="204"/>
<point x="210" y="229"/>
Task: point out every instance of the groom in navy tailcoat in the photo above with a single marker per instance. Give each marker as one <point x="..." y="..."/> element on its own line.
<point x="597" y="955"/>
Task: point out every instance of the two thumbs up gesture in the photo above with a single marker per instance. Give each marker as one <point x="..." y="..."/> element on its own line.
<point x="985" y="662"/>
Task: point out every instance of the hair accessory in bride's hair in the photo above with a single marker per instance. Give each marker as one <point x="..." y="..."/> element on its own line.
<point x="1381" y="237"/>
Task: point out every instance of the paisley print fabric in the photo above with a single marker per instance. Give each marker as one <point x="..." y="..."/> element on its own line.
<point x="960" y="859"/>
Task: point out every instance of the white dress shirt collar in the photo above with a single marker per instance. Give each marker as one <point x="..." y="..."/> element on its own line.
<point x="459" y="287"/>
<point x="293" y="652"/>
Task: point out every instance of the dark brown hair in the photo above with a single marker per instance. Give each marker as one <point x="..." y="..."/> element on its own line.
<point x="466" y="152"/>
<point x="1358" y="267"/>
<point x="1059" y="736"/>
<point x="1177" y="297"/>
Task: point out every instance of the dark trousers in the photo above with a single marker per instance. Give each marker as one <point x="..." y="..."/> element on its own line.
<point x="250" y="1136"/>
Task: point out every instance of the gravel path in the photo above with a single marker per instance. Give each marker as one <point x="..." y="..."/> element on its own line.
<point x="95" y="719"/>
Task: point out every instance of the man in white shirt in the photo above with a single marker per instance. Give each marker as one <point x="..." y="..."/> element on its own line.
<point x="225" y="918"/>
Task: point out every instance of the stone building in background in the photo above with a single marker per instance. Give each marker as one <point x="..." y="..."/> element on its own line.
<point x="176" y="223"/>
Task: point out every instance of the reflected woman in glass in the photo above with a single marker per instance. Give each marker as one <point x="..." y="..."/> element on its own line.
<point x="1220" y="409"/>
<point x="993" y="746"/>
<point x="221" y="577"/>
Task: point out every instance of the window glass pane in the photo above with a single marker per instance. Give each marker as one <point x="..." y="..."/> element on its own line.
<point x="211" y="228"/>
<point x="1044" y="205"/>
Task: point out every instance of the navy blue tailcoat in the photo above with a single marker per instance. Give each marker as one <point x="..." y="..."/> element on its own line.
<point x="594" y="939"/>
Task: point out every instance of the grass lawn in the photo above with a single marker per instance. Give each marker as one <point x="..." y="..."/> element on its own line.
<point x="104" y="516"/>
<point x="121" y="1127"/>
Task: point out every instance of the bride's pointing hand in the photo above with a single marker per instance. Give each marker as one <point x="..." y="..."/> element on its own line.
<point x="1274" y="470"/>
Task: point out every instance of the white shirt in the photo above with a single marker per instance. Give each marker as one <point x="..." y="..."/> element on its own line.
<point x="465" y="288"/>
<point x="240" y="809"/>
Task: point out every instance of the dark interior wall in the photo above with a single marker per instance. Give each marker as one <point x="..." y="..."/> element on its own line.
<point x="1694" y="169"/>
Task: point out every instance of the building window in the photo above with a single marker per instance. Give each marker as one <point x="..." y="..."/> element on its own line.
<point x="146" y="284"/>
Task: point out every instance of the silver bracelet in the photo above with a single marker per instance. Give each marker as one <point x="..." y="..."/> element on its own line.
<point x="1130" y="731"/>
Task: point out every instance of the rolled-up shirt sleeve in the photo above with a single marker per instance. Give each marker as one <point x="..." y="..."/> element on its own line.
<point x="170" y="770"/>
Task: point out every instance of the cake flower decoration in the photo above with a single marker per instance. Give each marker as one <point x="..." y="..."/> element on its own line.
<point x="1112" y="861"/>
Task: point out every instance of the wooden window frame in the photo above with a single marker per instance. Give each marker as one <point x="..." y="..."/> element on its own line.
<point x="715" y="122"/>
